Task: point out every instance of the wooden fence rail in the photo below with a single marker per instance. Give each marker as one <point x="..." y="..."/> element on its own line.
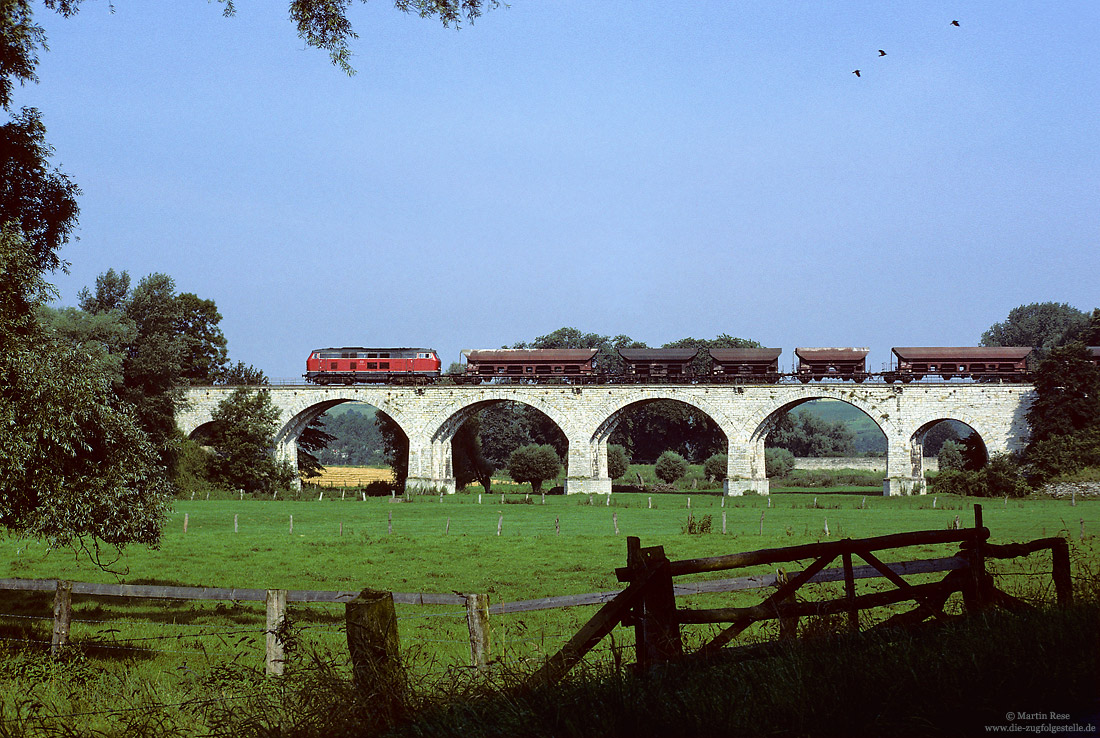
<point x="648" y="602"/>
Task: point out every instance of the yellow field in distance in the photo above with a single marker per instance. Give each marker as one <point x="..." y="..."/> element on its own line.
<point x="352" y="476"/>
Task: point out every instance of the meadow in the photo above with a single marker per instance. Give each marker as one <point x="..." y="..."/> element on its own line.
<point x="130" y="653"/>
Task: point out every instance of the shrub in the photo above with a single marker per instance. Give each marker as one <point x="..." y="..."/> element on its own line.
<point x="778" y="462"/>
<point x="617" y="462"/>
<point x="715" y="467"/>
<point x="377" y="488"/>
<point x="950" y="456"/>
<point x="698" y="527"/>
<point x="1063" y="455"/>
<point x="191" y="471"/>
<point x="534" y="464"/>
<point x="1004" y="477"/>
<point x="1001" y="477"/>
<point x="670" y="467"/>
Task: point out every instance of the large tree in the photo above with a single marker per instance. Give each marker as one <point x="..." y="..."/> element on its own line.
<point x="1067" y="394"/>
<point x="75" y="466"/>
<point x="34" y="195"/>
<point x="1041" y="325"/>
<point x="174" y="340"/>
<point x="242" y="433"/>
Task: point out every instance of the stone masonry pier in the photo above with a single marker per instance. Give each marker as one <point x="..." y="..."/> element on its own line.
<point x="588" y="414"/>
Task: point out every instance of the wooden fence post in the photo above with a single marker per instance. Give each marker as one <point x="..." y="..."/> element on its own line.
<point x="977" y="590"/>
<point x="276" y="620"/>
<point x="371" y="621"/>
<point x="62" y="616"/>
<point x="850" y="591"/>
<point x="477" y="621"/>
<point x="1063" y="581"/>
<point x="656" y="630"/>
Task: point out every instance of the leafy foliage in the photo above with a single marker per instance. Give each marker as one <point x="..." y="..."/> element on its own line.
<point x="1060" y="456"/>
<point x="39" y="199"/>
<point x="618" y="464"/>
<point x="778" y="462"/>
<point x="75" y="467"/>
<point x="357" y="440"/>
<point x="242" y="374"/>
<point x="1067" y="387"/>
<point x="670" y="467"/>
<point x="534" y="464"/>
<point x="312" y="439"/>
<point x="804" y="434"/>
<point x="1001" y="477"/>
<point x="469" y="463"/>
<point x="941" y="433"/>
<point x="204" y="354"/>
<point x="950" y="457"/>
<point x="505" y="426"/>
<point x="649" y="429"/>
<point x="1042" y="325"/>
<point x="715" y="466"/>
<point x="242" y="432"/>
<point x="395" y="447"/>
<point x="1065" y="416"/>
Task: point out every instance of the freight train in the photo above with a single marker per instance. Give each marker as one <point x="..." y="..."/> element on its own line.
<point x="354" y="365"/>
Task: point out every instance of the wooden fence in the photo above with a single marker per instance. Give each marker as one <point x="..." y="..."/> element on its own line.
<point x="648" y="604"/>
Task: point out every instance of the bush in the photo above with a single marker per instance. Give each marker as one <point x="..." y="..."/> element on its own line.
<point x="1004" y="477"/>
<point x="1001" y="477"/>
<point x="190" y="473"/>
<point x="534" y="464"/>
<point x="670" y="467"/>
<point x="378" y="488"/>
<point x="715" y="467"/>
<point x="1063" y="455"/>
<point x="950" y="456"/>
<point x="778" y="462"/>
<point x="617" y="462"/>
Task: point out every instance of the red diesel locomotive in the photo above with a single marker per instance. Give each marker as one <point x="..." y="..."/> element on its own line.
<point x="354" y="364"/>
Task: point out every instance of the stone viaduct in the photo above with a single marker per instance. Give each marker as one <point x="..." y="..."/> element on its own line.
<point x="588" y="414"/>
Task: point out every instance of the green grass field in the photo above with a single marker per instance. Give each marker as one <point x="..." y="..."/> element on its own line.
<point x="436" y="547"/>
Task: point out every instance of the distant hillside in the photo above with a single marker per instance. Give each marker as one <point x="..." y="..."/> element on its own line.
<point x="869" y="439"/>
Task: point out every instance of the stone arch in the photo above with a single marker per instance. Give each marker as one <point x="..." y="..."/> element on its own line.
<point x="433" y="448"/>
<point x="766" y="422"/>
<point x="200" y="431"/>
<point x="299" y="414"/>
<point x="600" y="437"/>
<point x="606" y="415"/>
<point x="918" y="435"/>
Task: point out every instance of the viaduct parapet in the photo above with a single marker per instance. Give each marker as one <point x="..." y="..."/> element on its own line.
<point x="588" y="414"/>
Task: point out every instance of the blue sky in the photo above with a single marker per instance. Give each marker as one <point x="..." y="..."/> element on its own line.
<point x="654" y="169"/>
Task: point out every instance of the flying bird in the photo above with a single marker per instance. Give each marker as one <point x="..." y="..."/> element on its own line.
<point x="881" y="52"/>
<point x="856" y="73"/>
<point x="954" y="23"/>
